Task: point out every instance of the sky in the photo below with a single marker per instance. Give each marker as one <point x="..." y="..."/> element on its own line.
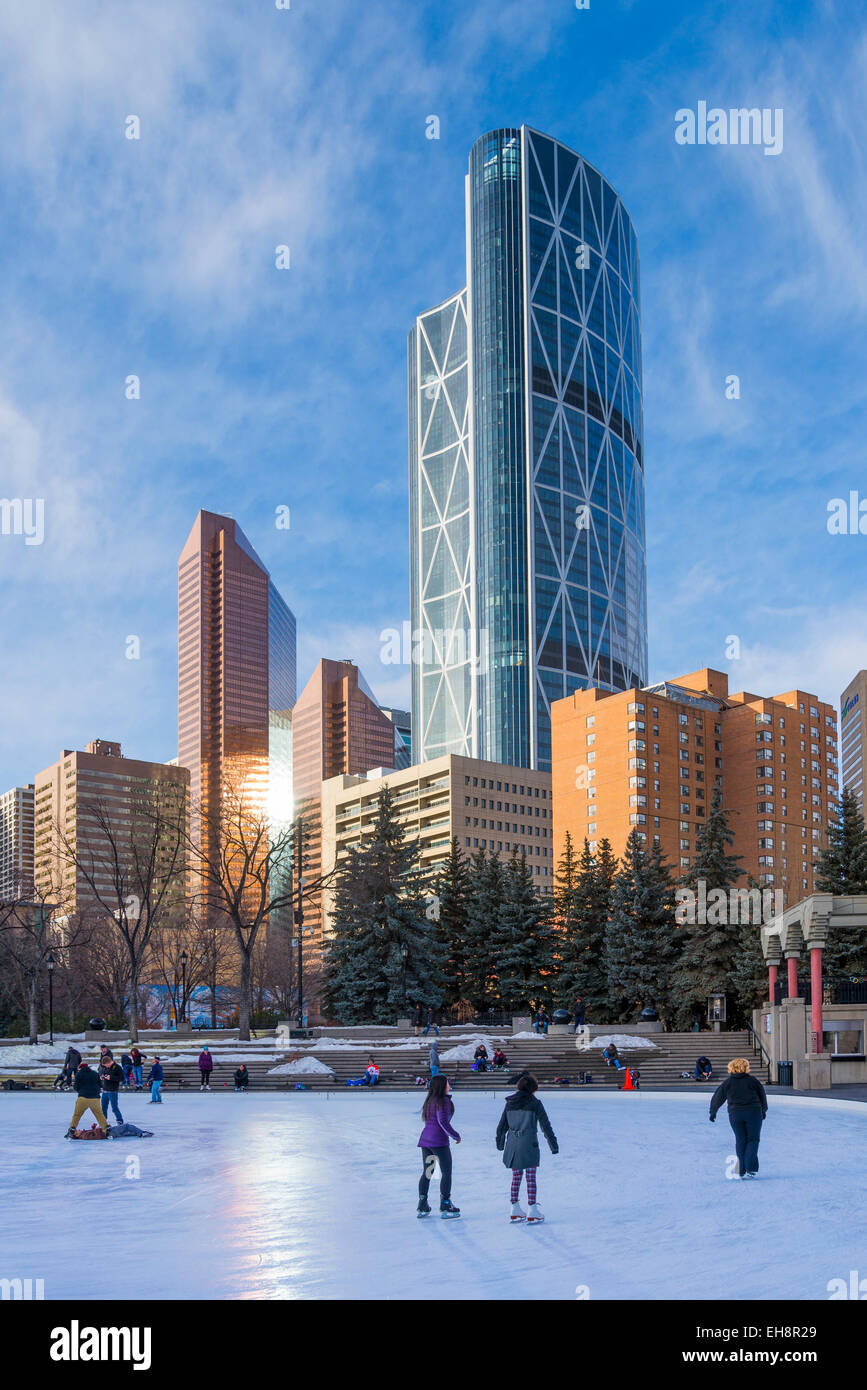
<point x="263" y="388"/>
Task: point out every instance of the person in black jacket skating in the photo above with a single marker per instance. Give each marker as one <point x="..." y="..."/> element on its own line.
<point x="518" y="1141"/>
<point x="748" y="1107"/>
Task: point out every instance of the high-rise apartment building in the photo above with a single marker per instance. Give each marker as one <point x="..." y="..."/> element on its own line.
<point x="16" y="843"/>
<point x="650" y="759"/>
<point x="527" y="548"/>
<point x="485" y="805"/>
<point x="236" y="673"/>
<point x="853" y="735"/>
<point x="64" y="796"/>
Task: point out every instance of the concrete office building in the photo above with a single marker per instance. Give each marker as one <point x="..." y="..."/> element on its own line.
<point x="853" y="735"/>
<point x="650" y="759"/>
<point x="63" y="797"/>
<point x="16" y="843"/>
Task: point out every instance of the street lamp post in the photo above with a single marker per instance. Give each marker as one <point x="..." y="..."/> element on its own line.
<point x="183" y="986"/>
<point x="300" y="861"/>
<point x="404" y="951"/>
<point x="50" y="962"/>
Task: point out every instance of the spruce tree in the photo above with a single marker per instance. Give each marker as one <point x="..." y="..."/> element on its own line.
<point x="567" y="921"/>
<point x="583" y="913"/>
<point x="709" y="948"/>
<point x="842" y="869"/>
<point x="379" y="906"/>
<point x="453" y="888"/>
<point x="523" y="941"/>
<point x="641" y="940"/>
<point x="483" y="911"/>
<point x="748" y="982"/>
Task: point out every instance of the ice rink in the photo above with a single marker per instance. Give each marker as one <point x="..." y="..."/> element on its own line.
<point x="313" y="1196"/>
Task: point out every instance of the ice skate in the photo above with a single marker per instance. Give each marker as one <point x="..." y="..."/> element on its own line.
<point x="534" y="1215"/>
<point x="447" y="1210"/>
<point x="518" y="1213"/>
<point x="748" y="1175"/>
<point x="423" y="1208"/>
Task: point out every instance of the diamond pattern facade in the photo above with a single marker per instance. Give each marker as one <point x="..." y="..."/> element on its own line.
<point x="526" y="463"/>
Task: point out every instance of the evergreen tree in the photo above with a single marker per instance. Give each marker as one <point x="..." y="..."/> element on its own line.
<point x="641" y="939"/>
<point x="709" y="948"/>
<point x="583" y="918"/>
<point x="379" y="906"/>
<point x="486" y="888"/>
<point x="567" y="920"/>
<point x="453" y="887"/>
<point x="523" y="941"/>
<point x="842" y="869"/>
<point x="748" y="982"/>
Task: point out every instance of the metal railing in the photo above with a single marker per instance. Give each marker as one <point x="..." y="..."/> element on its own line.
<point x="760" y="1051"/>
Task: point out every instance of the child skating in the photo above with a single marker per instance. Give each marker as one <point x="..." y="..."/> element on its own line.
<point x="518" y="1140"/>
<point x="437" y="1113"/>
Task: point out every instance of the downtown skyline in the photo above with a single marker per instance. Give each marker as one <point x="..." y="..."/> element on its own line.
<point x="263" y="389"/>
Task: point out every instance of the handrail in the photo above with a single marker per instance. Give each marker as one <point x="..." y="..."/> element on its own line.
<point x="758" y="1046"/>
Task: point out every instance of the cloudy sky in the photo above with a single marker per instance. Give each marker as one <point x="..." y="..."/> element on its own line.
<point x="263" y="388"/>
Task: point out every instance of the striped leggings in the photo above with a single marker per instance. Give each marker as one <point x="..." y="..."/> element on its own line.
<point x="517" y="1174"/>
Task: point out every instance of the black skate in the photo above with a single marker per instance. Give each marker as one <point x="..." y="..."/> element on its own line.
<point x="423" y="1208"/>
<point x="447" y="1210"/>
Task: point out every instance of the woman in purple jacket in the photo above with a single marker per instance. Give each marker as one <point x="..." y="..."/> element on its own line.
<point x="437" y="1113"/>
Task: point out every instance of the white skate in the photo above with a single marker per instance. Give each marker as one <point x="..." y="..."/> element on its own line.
<point x="534" y="1214"/>
<point x="518" y="1213"/>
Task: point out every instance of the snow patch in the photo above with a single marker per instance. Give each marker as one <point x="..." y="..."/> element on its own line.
<point x="307" y="1065"/>
<point x="622" y="1041"/>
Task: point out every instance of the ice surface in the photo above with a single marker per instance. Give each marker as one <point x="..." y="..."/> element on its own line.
<point x="312" y="1195"/>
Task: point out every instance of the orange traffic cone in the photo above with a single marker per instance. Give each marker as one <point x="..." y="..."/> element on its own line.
<point x="629" y="1084"/>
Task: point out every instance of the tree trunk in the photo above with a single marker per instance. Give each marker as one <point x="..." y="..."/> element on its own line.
<point x="133" y="999"/>
<point x="244" y="997"/>
<point x="33" y="1007"/>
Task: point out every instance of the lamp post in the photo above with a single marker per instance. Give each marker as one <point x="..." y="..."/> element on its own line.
<point x="404" y="951"/>
<point x="300" y="861"/>
<point x="50" y="962"/>
<point x="183" y="986"/>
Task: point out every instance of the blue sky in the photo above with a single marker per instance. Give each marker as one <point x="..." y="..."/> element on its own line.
<point x="263" y="388"/>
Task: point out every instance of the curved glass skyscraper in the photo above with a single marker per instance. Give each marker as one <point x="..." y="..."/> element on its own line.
<point x="526" y="460"/>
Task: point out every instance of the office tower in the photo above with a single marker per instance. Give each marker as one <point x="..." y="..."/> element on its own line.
<point x="853" y="735"/>
<point x="402" y="721"/>
<point x="337" y="726"/>
<point x="16" y="843"/>
<point x="651" y="758"/>
<point x="64" y="795"/>
<point x="236" y="674"/>
<point x="527" y="548"/>
<point x="485" y="805"/>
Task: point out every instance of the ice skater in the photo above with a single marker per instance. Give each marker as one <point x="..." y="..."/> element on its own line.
<point x="748" y="1108"/>
<point x="434" y="1059"/>
<point x="437" y="1113"/>
<point x="111" y="1077"/>
<point x="206" y="1066"/>
<point x="156" y="1076"/>
<point x="431" y="1022"/>
<point x="87" y="1088"/>
<point x="138" y="1060"/>
<point x="518" y="1141"/>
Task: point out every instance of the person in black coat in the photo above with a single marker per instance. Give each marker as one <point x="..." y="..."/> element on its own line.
<point x="242" y="1078"/>
<point x="518" y="1141"/>
<point x="703" y="1069"/>
<point x="111" y="1077"/>
<point x="71" y="1063"/>
<point x="748" y="1107"/>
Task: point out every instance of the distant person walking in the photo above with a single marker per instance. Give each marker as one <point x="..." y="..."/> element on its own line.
<point x="138" y="1060"/>
<point x="417" y="1020"/>
<point x="206" y="1066"/>
<point x="71" y="1063"/>
<point x="518" y="1141"/>
<point x="111" y="1078"/>
<point x="156" y="1076"/>
<point x="431" y="1022"/>
<point x="434" y="1058"/>
<point x="437" y="1113"/>
<point x="126" y="1064"/>
<point x="578" y="1014"/>
<point x="748" y="1108"/>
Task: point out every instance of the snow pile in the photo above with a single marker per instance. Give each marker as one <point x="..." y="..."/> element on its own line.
<point x="306" y="1065"/>
<point x="623" y="1041"/>
<point x="31" y="1055"/>
<point x="466" y="1052"/>
<point x="526" y="1035"/>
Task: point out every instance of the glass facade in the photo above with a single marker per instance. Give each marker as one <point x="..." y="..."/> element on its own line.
<point x="555" y="552"/>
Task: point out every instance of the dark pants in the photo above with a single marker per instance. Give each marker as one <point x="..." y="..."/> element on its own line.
<point x="747" y="1125"/>
<point x="205" y="1075"/>
<point x="444" y="1157"/>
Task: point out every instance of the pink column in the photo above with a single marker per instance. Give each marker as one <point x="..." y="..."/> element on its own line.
<point x="816" y="996"/>
<point x="772" y="982"/>
<point x="792" y="964"/>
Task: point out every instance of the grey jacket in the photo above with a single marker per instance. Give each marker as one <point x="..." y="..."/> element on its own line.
<point x="518" y="1131"/>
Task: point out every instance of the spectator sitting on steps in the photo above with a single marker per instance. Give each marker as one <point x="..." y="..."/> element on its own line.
<point x="703" y="1069"/>
<point x="611" y="1057"/>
